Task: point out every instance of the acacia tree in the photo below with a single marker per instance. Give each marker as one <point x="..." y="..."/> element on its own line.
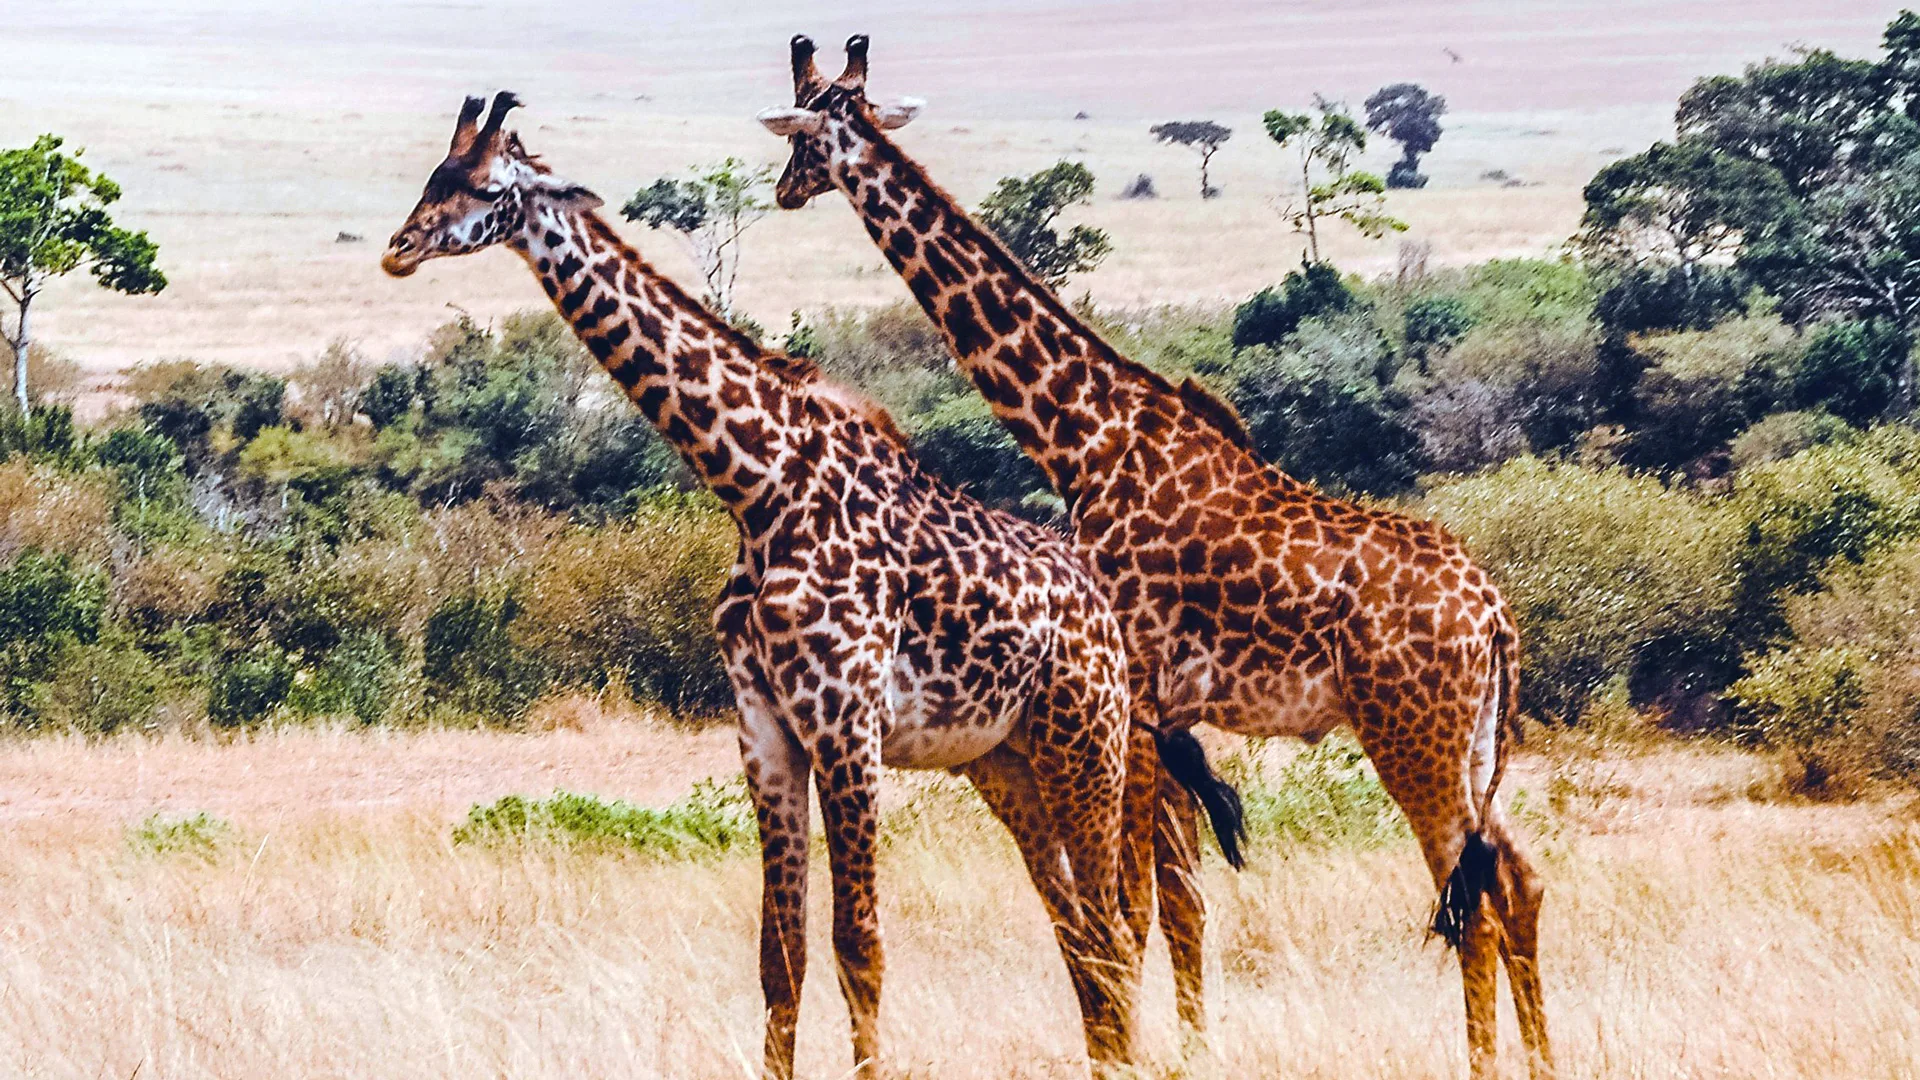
<point x="54" y="221"/>
<point x="1327" y="144"/>
<point x="1678" y="205"/>
<point x="1410" y="116"/>
<point x="710" y="211"/>
<point x="1021" y="212"/>
<point x="1204" y="136"/>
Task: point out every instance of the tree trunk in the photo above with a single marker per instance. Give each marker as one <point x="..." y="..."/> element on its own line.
<point x="1306" y="196"/>
<point x="22" y="341"/>
<point x="1206" y="189"/>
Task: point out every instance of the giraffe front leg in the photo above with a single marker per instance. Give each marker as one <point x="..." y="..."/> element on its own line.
<point x="777" y="773"/>
<point x="849" y="810"/>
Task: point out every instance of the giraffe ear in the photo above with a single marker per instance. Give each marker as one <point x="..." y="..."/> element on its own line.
<point x="898" y="114"/>
<point x="785" y="121"/>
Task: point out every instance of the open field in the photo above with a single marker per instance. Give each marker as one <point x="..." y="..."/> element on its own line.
<point x="249" y="134"/>
<point x="1691" y="930"/>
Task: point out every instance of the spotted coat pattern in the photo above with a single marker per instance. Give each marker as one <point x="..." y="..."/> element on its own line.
<point x="1250" y="601"/>
<point x="873" y="614"/>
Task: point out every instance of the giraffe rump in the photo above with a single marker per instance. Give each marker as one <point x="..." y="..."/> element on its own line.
<point x="1186" y="761"/>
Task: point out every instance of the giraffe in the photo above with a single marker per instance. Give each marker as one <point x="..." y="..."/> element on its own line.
<point x="873" y="615"/>
<point x="1251" y="601"/>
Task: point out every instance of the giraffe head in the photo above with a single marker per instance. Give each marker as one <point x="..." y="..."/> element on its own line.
<point x="830" y="123"/>
<point x="481" y="193"/>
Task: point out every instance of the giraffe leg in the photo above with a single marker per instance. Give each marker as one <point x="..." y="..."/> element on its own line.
<point x="1183" y="909"/>
<point x="1431" y="789"/>
<point x="847" y="780"/>
<point x="776" y="768"/>
<point x="1137" y="830"/>
<point x="1005" y="782"/>
<point x="1517" y="901"/>
<point x="1079" y="768"/>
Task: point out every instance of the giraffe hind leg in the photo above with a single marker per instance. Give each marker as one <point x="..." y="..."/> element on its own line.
<point x="1516" y="899"/>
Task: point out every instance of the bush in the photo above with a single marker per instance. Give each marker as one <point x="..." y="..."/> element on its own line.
<point x="1853" y="369"/>
<point x="1560" y="378"/>
<point x="1642" y="299"/>
<point x="1700" y="388"/>
<point x="100" y="688"/>
<point x="1784" y="434"/>
<point x="1598" y="565"/>
<point x="634" y="601"/>
<point x="1434" y="323"/>
<point x="389" y="395"/>
<point x="715" y="818"/>
<point x="249" y="687"/>
<point x="1328" y="795"/>
<point x="1271" y="316"/>
<point x="961" y="441"/>
<point x="200" y="835"/>
<point x="469" y="663"/>
<point x="1324" y="408"/>
<point x="1842" y="697"/>
<point x="1839" y="501"/>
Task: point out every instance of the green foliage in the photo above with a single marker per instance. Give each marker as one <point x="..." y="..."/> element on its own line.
<point x="1853" y="369"/>
<point x="1598" y="566"/>
<point x="1329" y="188"/>
<point x="1701" y="388"/>
<point x="470" y="666"/>
<point x="1326" y="796"/>
<point x="1839" y="501"/>
<point x="1679" y="205"/>
<point x="1410" y="116"/>
<point x="960" y="439"/>
<point x="198" y="835"/>
<point x="46" y="605"/>
<point x="634" y="601"/>
<point x="711" y="211"/>
<point x="1270" y="317"/>
<point x="390" y="394"/>
<point x="54" y="221"/>
<point x="249" y="687"/>
<point x="716" y="818"/>
<point x="1432" y="323"/>
<point x="1324" y="408"/>
<point x="1021" y="211"/>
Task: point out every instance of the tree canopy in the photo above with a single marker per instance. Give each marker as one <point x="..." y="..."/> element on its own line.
<point x="1022" y="209"/>
<point x="54" y="221"/>
<point x="1327" y="140"/>
<point x="1410" y="116"/>
<point x="1204" y="136"/>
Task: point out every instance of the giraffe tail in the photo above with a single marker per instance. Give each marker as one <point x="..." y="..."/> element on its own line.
<point x="1186" y="761"/>
<point x="1479" y="864"/>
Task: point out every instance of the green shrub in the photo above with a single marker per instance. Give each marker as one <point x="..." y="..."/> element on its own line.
<point x="1842" y="695"/>
<point x="1700" y="388"/>
<point x="1842" y="500"/>
<point x="100" y="688"/>
<point x="470" y="666"/>
<point x="1433" y="323"/>
<point x="1598" y="565"/>
<point x="1853" y="369"/>
<point x="1271" y="316"/>
<point x="962" y="442"/>
<point x="201" y="835"/>
<point x="1327" y="796"/>
<point x="249" y="687"/>
<point x="634" y="600"/>
<point x="1784" y="434"/>
<point x="715" y="818"/>
<point x="358" y="679"/>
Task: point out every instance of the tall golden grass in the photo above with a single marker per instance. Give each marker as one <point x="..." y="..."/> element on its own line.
<point x="1695" y="928"/>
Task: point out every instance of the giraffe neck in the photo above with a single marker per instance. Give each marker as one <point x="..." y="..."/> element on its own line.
<point x="719" y="399"/>
<point x="1067" y="397"/>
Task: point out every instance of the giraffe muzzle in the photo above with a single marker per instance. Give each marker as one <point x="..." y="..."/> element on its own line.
<point x="402" y="257"/>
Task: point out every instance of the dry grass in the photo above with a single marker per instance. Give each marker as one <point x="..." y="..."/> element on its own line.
<point x="338" y="932"/>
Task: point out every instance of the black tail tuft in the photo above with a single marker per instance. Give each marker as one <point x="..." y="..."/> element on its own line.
<point x="1186" y="761"/>
<point x="1471" y="879"/>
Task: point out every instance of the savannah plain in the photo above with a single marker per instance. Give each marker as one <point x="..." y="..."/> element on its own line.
<point x="1701" y="922"/>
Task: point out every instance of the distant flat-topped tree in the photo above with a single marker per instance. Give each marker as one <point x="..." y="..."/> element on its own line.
<point x="53" y="221"/>
<point x="1410" y="116"/>
<point x="1204" y="136"/>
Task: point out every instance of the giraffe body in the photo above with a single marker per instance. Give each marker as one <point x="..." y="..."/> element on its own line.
<point x="873" y="615"/>
<point x="1250" y="601"/>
